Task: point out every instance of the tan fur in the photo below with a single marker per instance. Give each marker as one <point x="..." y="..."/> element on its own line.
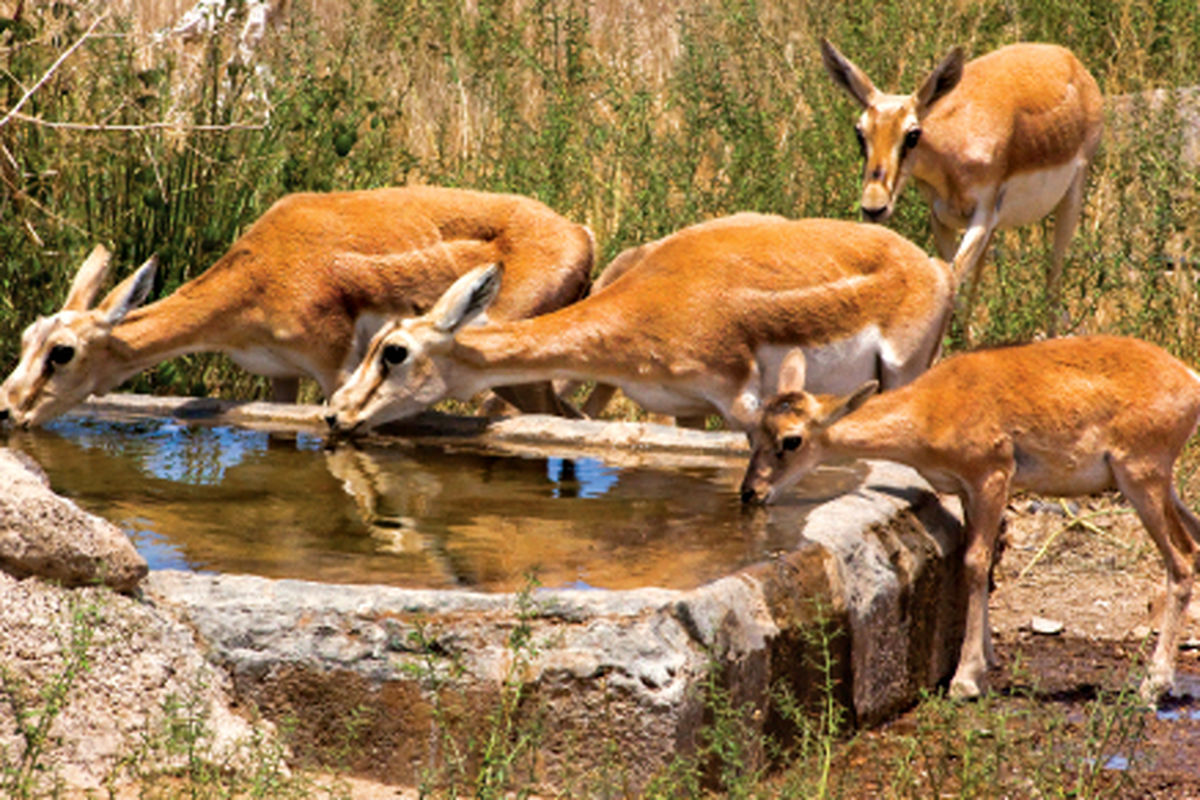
<point x="1015" y="115"/>
<point x="685" y="329"/>
<point x="284" y="300"/>
<point x="1062" y="417"/>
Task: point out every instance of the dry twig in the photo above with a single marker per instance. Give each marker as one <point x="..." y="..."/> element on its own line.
<point x="15" y="110"/>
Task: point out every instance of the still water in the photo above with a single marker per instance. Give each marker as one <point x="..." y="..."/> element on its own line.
<point x="225" y="499"/>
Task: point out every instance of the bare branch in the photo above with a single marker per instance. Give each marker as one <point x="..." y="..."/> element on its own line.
<point x="102" y="127"/>
<point x="57" y="63"/>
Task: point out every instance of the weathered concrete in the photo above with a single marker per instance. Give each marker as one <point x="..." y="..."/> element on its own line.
<point x="370" y="677"/>
<point x="44" y="535"/>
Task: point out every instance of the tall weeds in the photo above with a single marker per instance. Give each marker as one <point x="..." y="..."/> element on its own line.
<point x="636" y="119"/>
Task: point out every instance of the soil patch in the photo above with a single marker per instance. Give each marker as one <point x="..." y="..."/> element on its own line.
<point x="1061" y="703"/>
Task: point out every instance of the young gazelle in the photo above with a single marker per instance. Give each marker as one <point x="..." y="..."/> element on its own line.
<point x="996" y="142"/>
<point x="314" y="274"/>
<point x="1064" y="417"/>
<point x="715" y="318"/>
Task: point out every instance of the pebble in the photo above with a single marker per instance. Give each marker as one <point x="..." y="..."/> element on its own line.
<point x="1045" y="627"/>
<point x="1048" y="507"/>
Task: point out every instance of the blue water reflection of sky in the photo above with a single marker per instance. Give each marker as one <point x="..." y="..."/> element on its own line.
<point x="174" y="451"/>
<point x="153" y="546"/>
<point x="587" y="477"/>
<point x="201" y="455"/>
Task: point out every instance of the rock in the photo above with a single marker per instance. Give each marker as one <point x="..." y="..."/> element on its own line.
<point x="44" y="535"/>
<point x="125" y="678"/>
<point x="1045" y="627"/>
<point x="1056" y="507"/>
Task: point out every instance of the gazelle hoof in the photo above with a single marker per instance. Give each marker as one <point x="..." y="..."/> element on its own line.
<point x="963" y="689"/>
<point x="1154" y="688"/>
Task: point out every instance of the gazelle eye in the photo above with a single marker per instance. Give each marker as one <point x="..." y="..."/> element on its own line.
<point x="911" y="138"/>
<point x="862" y="141"/>
<point x="394" y="354"/>
<point x="60" y="354"/>
<point x="791" y="442"/>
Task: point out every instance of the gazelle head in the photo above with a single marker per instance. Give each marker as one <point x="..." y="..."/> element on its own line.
<point x="788" y="442"/>
<point x="889" y="128"/>
<point x="67" y="356"/>
<point x="407" y="366"/>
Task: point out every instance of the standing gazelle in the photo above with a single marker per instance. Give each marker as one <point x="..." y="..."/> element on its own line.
<point x="713" y="318"/>
<point x="1064" y="417"/>
<point x="314" y="274"/>
<point x="996" y="142"/>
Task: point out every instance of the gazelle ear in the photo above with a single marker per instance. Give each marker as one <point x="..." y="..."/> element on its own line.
<point x="945" y="76"/>
<point x="791" y="372"/>
<point x="467" y="298"/>
<point x="88" y="280"/>
<point x="845" y="73"/>
<point x="129" y="293"/>
<point x="835" y="407"/>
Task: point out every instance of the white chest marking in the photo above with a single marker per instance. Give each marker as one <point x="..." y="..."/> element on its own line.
<point x="271" y="363"/>
<point x="1023" y="199"/>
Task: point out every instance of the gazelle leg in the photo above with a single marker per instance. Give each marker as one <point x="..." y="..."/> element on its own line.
<point x="598" y="400"/>
<point x="945" y="238"/>
<point x="968" y="261"/>
<point x="1150" y="492"/>
<point x="746" y="408"/>
<point x="537" y="398"/>
<point x="1066" y="220"/>
<point x="285" y="390"/>
<point x="1191" y="523"/>
<point x="984" y="507"/>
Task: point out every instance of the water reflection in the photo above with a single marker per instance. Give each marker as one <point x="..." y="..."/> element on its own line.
<point x="232" y="500"/>
<point x="583" y="477"/>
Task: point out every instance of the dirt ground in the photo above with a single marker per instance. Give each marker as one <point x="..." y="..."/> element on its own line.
<point x="1091" y="569"/>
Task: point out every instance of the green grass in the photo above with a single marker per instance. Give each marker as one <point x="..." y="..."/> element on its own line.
<point x="636" y="123"/>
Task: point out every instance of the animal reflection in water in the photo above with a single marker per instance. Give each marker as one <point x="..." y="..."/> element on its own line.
<point x="231" y="500"/>
<point x="502" y="518"/>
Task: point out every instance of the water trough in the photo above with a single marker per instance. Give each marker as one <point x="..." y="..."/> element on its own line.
<point x="617" y="658"/>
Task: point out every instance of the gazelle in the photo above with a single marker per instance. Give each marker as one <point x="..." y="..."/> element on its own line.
<point x="602" y="393"/>
<point x="997" y="142"/>
<point x="718" y="316"/>
<point x="314" y="274"/>
<point x="1063" y="416"/>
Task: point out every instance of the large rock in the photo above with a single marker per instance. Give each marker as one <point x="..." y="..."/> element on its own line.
<point x="44" y="535"/>
<point x="120" y="680"/>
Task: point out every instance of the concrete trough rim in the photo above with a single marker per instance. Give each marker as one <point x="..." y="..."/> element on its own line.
<point x="505" y="432"/>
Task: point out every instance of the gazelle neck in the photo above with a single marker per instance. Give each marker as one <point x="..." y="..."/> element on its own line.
<point x="551" y="347"/>
<point x="879" y="429"/>
<point x="173" y="326"/>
